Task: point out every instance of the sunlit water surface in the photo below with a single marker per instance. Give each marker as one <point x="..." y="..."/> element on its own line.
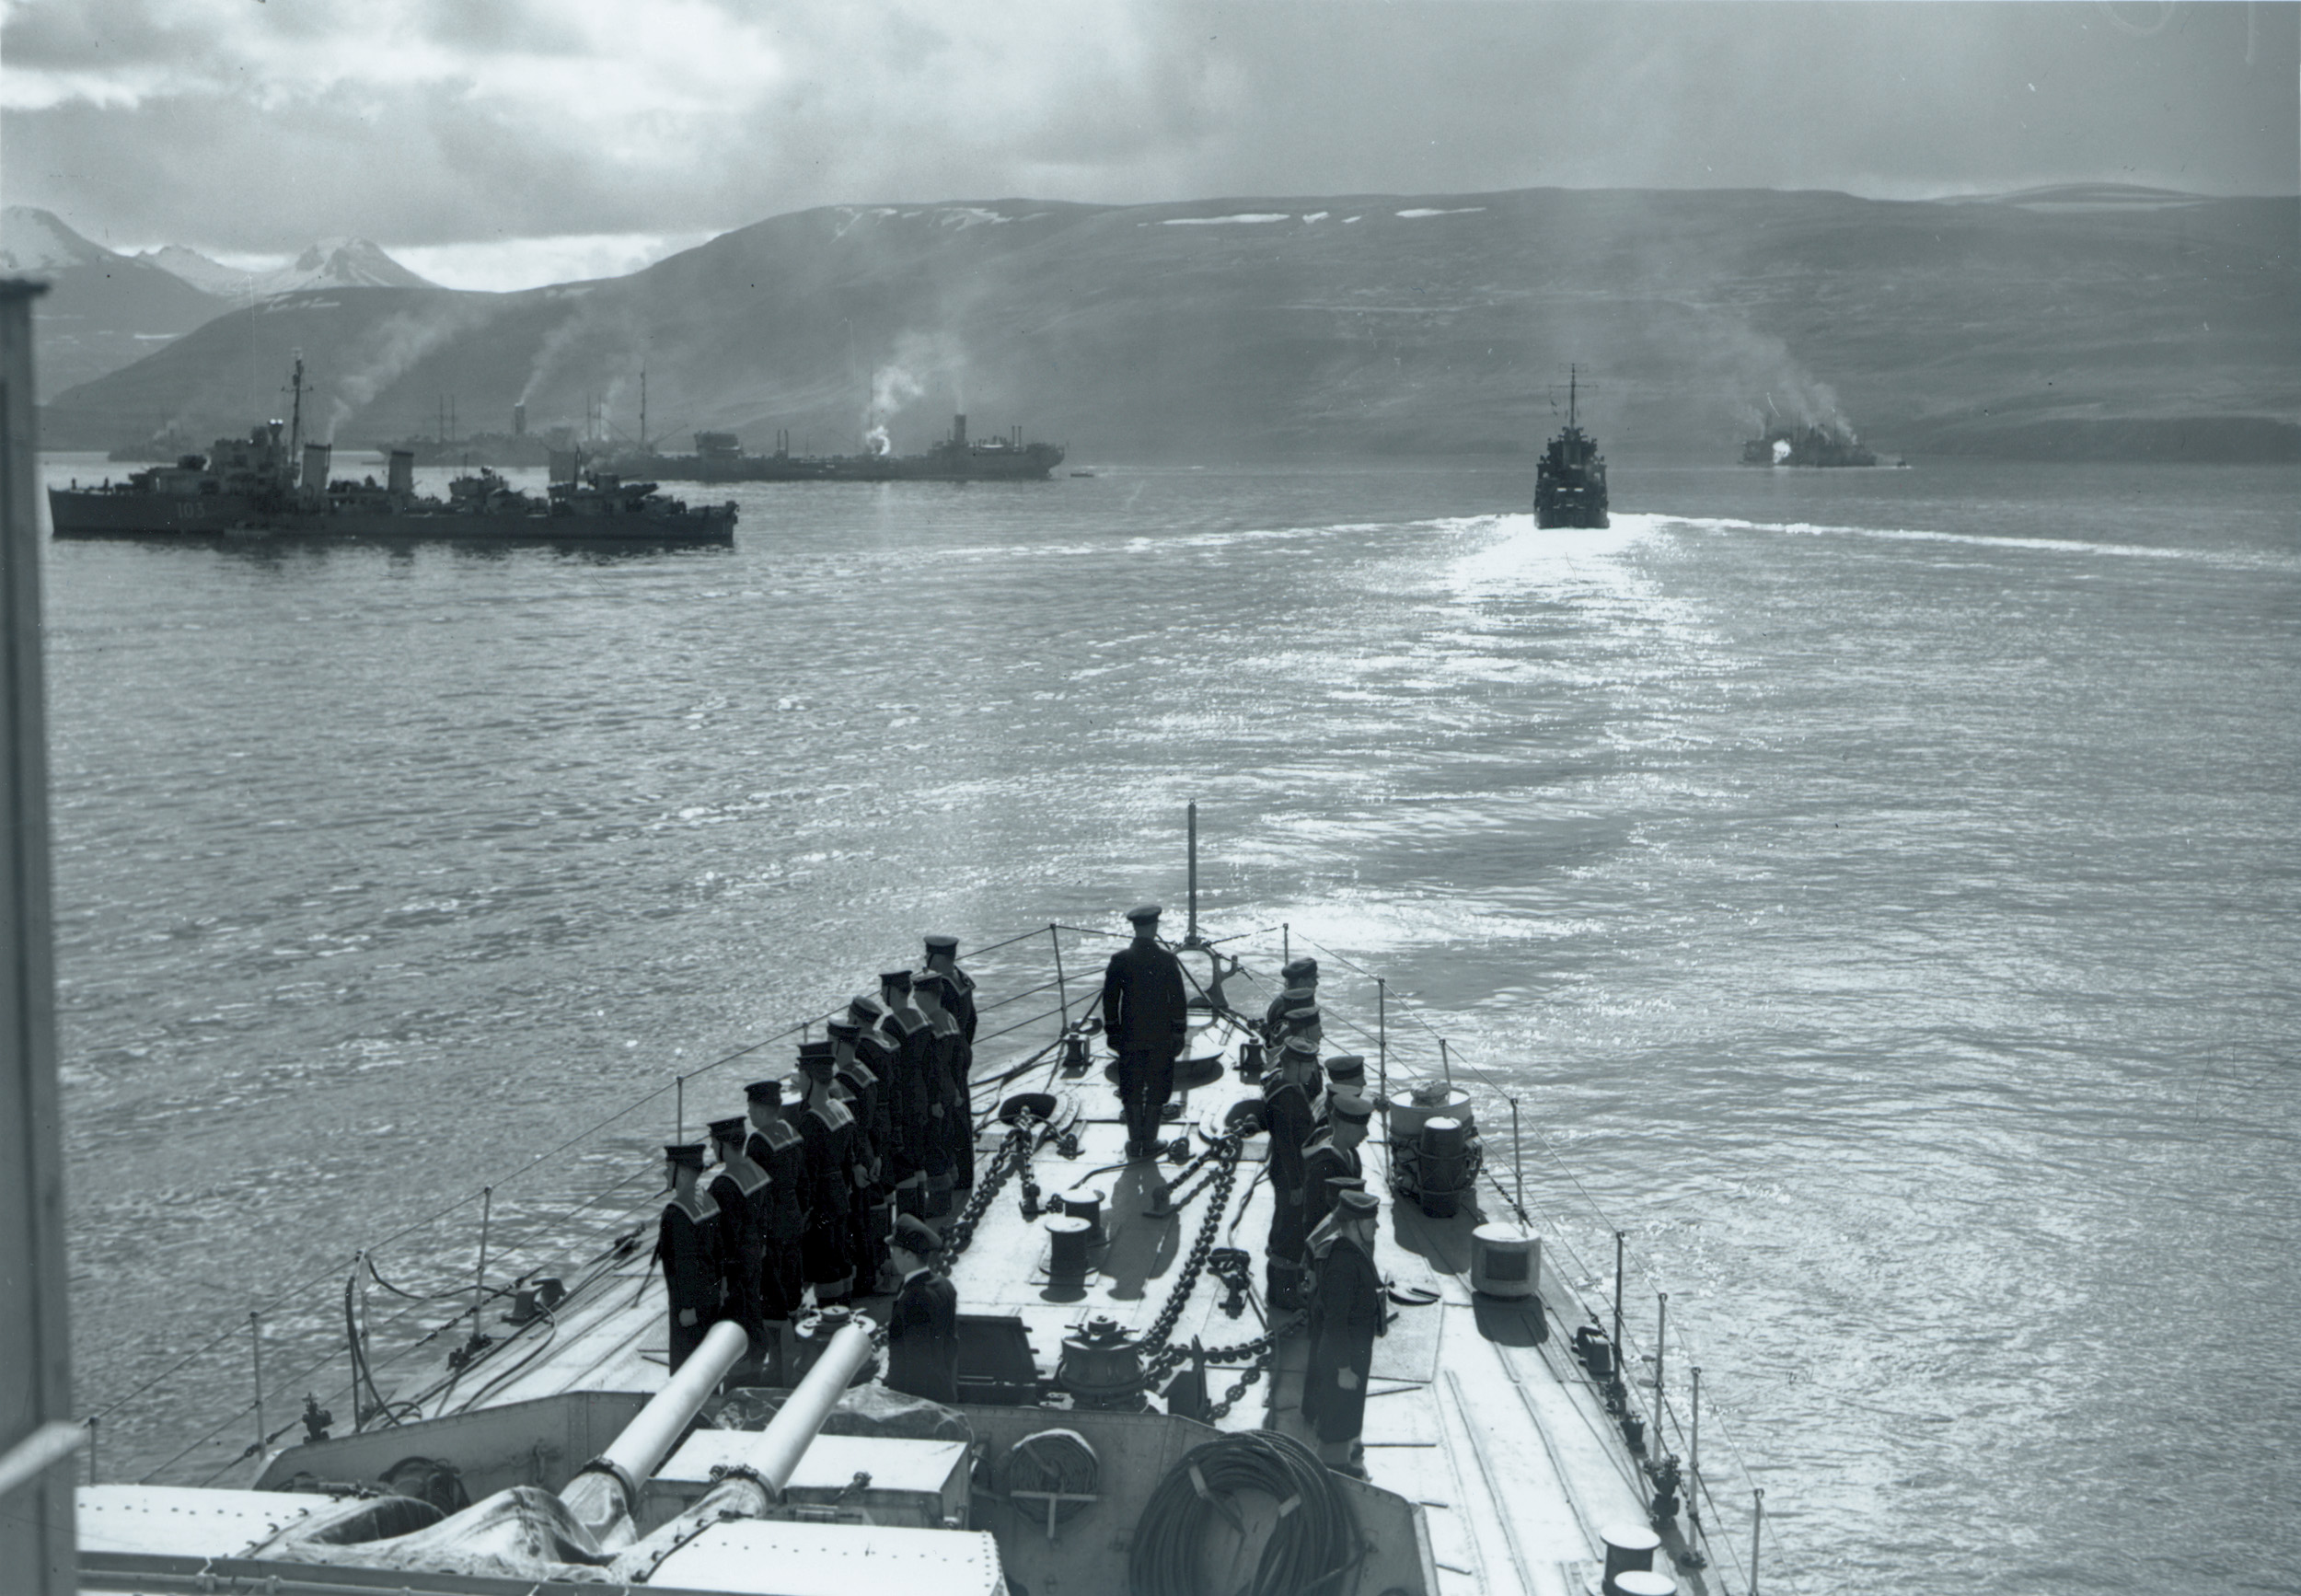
<point x="1879" y="886"/>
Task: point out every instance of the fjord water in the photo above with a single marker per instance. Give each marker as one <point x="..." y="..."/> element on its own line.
<point x="1879" y="886"/>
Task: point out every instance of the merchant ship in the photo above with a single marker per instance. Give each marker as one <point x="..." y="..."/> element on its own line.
<point x="720" y="457"/>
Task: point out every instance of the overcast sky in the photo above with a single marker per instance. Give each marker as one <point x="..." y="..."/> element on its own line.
<point x="499" y="142"/>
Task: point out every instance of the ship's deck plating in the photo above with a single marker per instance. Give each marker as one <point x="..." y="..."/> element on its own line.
<point x="1503" y="1440"/>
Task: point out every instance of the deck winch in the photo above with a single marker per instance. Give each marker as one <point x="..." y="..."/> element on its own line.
<point x="1434" y="1151"/>
<point x="1102" y="1365"/>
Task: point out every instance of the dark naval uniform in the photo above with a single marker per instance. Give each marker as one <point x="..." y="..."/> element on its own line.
<point x="1287" y="1113"/>
<point x="953" y="1065"/>
<point x="924" y="1339"/>
<point x="1347" y="1317"/>
<point x="1322" y="1161"/>
<point x="686" y="1244"/>
<point x="827" y="1248"/>
<point x="1146" y="1014"/>
<point x="929" y="1088"/>
<point x="743" y="1221"/>
<point x="780" y="1152"/>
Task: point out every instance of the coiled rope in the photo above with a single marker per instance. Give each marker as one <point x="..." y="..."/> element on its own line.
<point x="1314" y="1543"/>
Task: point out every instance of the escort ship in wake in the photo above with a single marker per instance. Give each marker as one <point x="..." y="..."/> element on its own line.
<point x="720" y="457"/>
<point x="272" y="483"/>
<point x="1570" y="479"/>
<point x="1129" y="1413"/>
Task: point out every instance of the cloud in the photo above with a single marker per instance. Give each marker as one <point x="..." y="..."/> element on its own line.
<point x="439" y="123"/>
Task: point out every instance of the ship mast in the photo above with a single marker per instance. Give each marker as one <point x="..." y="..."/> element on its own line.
<point x="295" y="411"/>
<point x="1569" y="396"/>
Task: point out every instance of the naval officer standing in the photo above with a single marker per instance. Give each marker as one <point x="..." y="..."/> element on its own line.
<point x="1348" y="1318"/>
<point x="1146" y="1014"/>
<point x="923" y="1322"/>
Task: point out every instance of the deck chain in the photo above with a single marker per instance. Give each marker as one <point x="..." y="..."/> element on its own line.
<point x="1227" y="1149"/>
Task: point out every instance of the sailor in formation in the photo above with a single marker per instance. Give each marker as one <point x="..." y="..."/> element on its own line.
<point x="1287" y="1116"/>
<point x="930" y="991"/>
<point x="687" y="1246"/>
<point x="774" y="1146"/>
<point x="1346" y="1076"/>
<point x="923" y="1324"/>
<point x="1346" y="1317"/>
<point x="743" y="1193"/>
<point x="917" y="1039"/>
<point x="1298" y="983"/>
<point x="1334" y="1157"/>
<point x="826" y="1247"/>
<point x="943" y="956"/>
<point x="1146" y="1016"/>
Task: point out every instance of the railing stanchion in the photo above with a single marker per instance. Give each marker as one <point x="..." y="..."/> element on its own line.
<point x="1518" y="1161"/>
<point x="1694" y="1462"/>
<point x="1757" y="1522"/>
<point x="92" y="1422"/>
<point x="680" y="1110"/>
<point x="1382" y="1054"/>
<point x="1286" y="943"/>
<point x="480" y="1283"/>
<point x="1062" y="992"/>
<point x="1618" y="1349"/>
<point x="1446" y="1064"/>
<point x="1661" y="1348"/>
<point x="255" y="1346"/>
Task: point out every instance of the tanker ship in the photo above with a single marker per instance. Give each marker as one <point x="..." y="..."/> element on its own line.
<point x="720" y="457"/>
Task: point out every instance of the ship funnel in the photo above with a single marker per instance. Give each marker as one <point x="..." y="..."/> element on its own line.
<point x="958" y="431"/>
<point x="316" y="457"/>
<point x="519" y="421"/>
<point x="400" y="477"/>
<point x="609" y="1485"/>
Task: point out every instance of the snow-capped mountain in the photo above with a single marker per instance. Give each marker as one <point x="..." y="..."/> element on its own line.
<point x="103" y="310"/>
<point x="330" y="263"/>
<point x="34" y="242"/>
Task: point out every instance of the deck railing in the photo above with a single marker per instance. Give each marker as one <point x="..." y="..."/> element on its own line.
<point x="340" y="1353"/>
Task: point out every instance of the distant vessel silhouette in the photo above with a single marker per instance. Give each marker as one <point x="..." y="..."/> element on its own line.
<point x="1570" y="480"/>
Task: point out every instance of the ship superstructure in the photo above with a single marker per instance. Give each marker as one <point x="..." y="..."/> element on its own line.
<point x="1812" y="445"/>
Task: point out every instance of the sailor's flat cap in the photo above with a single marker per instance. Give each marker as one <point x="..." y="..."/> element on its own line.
<point x="1357" y="1205"/>
<point x="1143" y="911"/>
<point x="932" y="980"/>
<point x="1303" y="1014"/>
<point x="943" y="942"/>
<point x="1348" y="1068"/>
<point x="688" y="1153"/>
<point x="764" y="1092"/>
<point x="815" y="1048"/>
<point x="843" y="1028"/>
<point x="914" y="1234"/>
<point x="1301" y="1044"/>
<point x="900" y="979"/>
<point x="1350" y="1106"/>
<point x="730" y="1129"/>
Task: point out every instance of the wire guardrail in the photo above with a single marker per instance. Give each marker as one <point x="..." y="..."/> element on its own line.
<point x="1400" y="1037"/>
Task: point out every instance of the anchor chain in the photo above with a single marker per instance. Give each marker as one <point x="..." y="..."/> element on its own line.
<point x="1227" y="1149"/>
<point x="1255" y="1354"/>
<point x="1013" y="1153"/>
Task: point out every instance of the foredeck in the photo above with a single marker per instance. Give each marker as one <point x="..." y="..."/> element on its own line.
<point x="1491" y="1426"/>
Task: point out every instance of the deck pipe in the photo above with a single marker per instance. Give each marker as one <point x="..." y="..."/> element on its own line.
<point x="608" y="1485"/>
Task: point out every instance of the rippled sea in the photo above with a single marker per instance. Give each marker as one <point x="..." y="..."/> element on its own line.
<point x="1880" y="887"/>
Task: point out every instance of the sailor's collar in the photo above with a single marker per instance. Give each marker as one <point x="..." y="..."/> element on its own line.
<point x="703" y="1210"/>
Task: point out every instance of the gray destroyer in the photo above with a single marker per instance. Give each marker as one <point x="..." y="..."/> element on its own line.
<point x="272" y="483"/>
